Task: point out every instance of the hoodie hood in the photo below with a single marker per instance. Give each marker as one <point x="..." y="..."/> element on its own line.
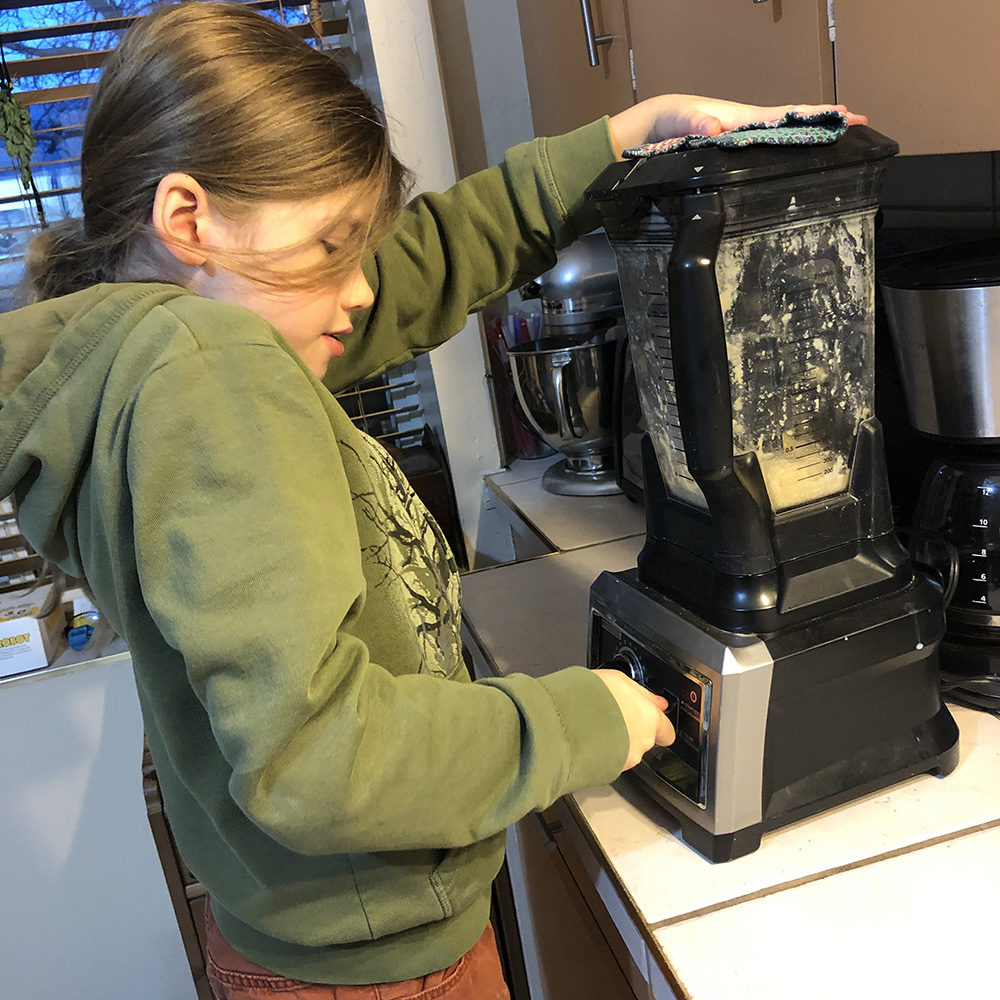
<point x="55" y="357"/>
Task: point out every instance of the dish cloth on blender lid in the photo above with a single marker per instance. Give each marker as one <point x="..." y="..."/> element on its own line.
<point x="792" y="129"/>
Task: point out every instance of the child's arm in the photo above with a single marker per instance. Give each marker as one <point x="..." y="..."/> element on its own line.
<point x="327" y="731"/>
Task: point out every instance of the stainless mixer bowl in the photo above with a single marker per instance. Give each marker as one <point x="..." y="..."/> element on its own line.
<point x="565" y="386"/>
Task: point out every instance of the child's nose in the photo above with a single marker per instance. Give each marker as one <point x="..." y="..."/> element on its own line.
<point x="357" y="293"/>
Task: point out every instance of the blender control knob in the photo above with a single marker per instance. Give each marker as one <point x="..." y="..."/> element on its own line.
<point x="627" y="661"/>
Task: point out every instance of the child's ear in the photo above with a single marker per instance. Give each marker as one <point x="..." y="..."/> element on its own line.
<point x="182" y="218"/>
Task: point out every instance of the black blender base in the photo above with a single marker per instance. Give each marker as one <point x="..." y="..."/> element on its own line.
<point x="940" y="734"/>
<point x="720" y="847"/>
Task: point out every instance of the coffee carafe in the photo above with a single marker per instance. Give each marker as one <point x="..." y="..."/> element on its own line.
<point x="943" y="307"/>
<point x="772" y="604"/>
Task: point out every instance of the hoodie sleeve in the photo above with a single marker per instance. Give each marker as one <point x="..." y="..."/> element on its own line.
<point x="249" y="564"/>
<point x="453" y="252"/>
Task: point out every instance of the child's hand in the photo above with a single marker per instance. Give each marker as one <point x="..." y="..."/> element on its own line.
<point x="673" y="115"/>
<point x="643" y="714"/>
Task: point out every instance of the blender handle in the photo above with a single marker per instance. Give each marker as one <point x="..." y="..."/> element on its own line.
<point x="698" y="338"/>
<point x="702" y="388"/>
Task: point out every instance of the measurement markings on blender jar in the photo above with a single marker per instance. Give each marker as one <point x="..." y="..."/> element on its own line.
<point x="658" y="315"/>
<point x="978" y="589"/>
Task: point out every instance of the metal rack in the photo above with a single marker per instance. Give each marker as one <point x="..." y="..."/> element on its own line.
<point x="21" y="566"/>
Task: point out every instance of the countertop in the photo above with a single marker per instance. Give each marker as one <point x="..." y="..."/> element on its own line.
<point x="565" y="523"/>
<point x="888" y="895"/>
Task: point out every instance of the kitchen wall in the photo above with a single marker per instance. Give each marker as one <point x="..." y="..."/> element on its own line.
<point x="485" y="84"/>
<point x="401" y="48"/>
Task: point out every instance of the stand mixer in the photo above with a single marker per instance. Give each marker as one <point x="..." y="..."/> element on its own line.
<point x="564" y="380"/>
<point x="772" y="605"/>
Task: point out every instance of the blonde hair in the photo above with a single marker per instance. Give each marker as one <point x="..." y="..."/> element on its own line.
<point x="244" y="107"/>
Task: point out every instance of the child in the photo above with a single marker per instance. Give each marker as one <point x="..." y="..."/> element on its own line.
<point x="292" y="612"/>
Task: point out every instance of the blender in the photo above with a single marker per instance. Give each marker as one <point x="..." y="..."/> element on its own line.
<point x="772" y="604"/>
<point x="943" y="308"/>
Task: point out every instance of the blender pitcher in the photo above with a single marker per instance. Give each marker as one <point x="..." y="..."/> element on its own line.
<point x="748" y="284"/>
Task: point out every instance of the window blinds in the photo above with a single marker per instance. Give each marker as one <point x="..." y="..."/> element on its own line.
<point x="53" y="53"/>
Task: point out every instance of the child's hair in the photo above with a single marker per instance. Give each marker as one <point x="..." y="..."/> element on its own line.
<point x="244" y="107"/>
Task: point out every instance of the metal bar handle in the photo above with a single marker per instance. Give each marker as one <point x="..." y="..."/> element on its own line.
<point x="564" y="418"/>
<point x="593" y="41"/>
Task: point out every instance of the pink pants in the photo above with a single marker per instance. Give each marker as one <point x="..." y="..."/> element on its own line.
<point x="475" y="976"/>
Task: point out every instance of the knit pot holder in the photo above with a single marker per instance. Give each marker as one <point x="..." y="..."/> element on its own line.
<point x="792" y="129"/>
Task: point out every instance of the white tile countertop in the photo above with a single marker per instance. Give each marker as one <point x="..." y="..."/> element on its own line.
<point x="565" y="522"/>
<point x="835" y="905"/>
<point x="916" y="926"/>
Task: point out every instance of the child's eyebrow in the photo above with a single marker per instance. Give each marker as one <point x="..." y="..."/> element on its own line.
<point x="345" y="224"/>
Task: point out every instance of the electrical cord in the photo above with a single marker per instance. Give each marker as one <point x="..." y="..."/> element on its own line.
<point x="961" y="689"/>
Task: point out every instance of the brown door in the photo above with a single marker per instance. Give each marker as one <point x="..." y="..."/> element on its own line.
<point x="564" y="89"/>
<point x="924" y="72"/>
<point x="775" y="52"/>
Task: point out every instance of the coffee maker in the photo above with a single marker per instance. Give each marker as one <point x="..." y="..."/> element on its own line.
<point x="943" y="309"/>
<point x="772" y="604"/>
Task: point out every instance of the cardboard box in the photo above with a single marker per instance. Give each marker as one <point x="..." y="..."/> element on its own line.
<point x="26" y="641"/>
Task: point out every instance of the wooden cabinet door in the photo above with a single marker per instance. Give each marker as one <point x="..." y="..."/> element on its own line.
<point x="564" y="89"/>
<point x="924" y="72"/>
<point x="775" y="52"/>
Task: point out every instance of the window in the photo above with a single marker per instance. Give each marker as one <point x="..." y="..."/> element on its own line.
<point x="53" y="54"/>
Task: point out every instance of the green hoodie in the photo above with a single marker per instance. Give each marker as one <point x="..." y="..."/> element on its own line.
<point x="292" y="611"/>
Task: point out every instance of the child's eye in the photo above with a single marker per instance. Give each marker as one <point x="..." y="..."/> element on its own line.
<point x="330" y="248"/>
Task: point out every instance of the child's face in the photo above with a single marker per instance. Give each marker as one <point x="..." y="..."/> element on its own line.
<point x="311" y="321"/>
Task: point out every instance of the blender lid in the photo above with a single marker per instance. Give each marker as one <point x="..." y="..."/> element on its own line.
<point x="719" y="166"/>
<point x="963" y="265"/>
